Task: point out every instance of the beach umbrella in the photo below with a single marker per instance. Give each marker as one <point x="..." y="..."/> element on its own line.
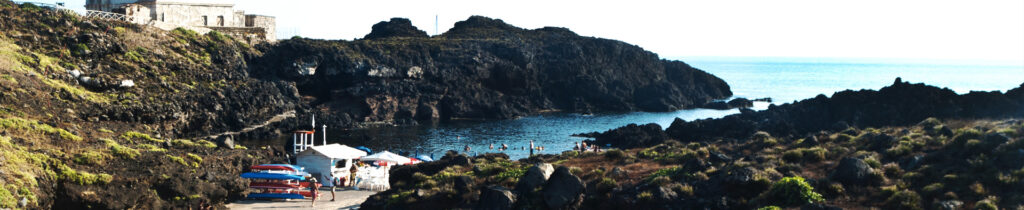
<point x="386" y="156"/>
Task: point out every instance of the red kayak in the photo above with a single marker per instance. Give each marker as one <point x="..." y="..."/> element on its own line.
<point x="274" y="185"/>
<point x="271" y="168"/>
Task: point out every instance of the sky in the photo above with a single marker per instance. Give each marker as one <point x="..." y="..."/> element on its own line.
<point x="918" y="29"/>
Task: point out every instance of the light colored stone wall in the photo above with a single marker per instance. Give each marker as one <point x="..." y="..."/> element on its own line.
<point x="219" y="15"/>
<point x="192" y="15"/>
<point x="268" y="23"/>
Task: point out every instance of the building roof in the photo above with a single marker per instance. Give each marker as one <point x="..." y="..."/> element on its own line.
<point x="337" y="151"/>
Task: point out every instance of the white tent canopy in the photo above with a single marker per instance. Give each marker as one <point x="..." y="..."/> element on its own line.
<point x="336" y="151"/>
<point x="387" y="156"/>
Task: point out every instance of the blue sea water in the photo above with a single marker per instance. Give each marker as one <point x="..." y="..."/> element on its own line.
<point x="783" y="79"/>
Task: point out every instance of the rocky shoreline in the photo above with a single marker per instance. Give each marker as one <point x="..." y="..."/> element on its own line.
<point x="942" y="151"/>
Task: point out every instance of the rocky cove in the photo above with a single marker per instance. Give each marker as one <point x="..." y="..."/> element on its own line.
<point x="72" y="136"/>
<point x="83" y="139"/>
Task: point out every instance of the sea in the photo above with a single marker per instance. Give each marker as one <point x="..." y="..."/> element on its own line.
<point x="785" y="80"/>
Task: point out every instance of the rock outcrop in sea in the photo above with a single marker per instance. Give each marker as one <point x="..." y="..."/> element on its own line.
<point x="901" y="103"/>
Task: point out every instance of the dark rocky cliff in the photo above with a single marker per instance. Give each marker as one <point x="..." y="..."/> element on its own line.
<point x="481" y="69"/>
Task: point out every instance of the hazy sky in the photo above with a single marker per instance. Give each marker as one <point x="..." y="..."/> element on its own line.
<point x="931" y="29"/>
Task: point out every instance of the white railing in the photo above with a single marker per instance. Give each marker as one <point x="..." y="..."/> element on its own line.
<point x="108" y="16"/>
<point x="55" y="7"/>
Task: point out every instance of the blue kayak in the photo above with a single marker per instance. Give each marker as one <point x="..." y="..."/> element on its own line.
<point x="275" y="196"/>
<point x="254" y="175"/>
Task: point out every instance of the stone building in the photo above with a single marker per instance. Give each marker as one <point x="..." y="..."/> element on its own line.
<point x="199" y="15"/>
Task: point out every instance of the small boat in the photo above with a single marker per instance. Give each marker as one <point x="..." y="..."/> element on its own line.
<point x="272" y="176"/>
<point x="276" y="196"/>
<point x="275" y="185"/>
<point x="271" y="168"/>
<point x="288" y="167"/>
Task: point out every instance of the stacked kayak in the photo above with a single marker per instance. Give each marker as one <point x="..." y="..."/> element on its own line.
<point x="277" y="181"/>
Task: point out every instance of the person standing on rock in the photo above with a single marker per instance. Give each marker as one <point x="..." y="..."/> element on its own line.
<point x="531" y="147"/>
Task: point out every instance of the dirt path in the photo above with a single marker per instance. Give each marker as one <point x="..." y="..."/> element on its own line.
<point x="276" y="118"/>
<point x="348" y="199"/>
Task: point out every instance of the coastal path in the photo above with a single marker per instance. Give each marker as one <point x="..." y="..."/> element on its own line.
<point x="347" y="199"/>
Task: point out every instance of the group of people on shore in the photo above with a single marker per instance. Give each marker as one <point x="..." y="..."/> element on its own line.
<point x="504" y="147"/>
<point x="583" y="147"/>
<point x="350" y="181"/>
<point x="580" y="146"/>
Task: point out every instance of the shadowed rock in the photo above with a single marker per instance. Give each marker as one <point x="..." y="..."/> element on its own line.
<point x="397" y="27"/>
<point x="563" y="190"/>
<point x="852" y="171"/>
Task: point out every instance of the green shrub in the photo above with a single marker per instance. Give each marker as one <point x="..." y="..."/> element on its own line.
<point x="933" y="189"/>
<point x="793" y="156"/>
<point x="841" y="138"/>
<point x="792" y="191"/>
<point x="32" y="126"/>
<point x="963" y="135"/>
<point x="178" y="160"/>
<point x="91" y="158"/>
<point x="665" y="172"/>
<point x="645" y="196"/>
<point x="120" y="31"/>
<point x="195" y="157"/>
<point x="769" y="208"/>
<point x="131" y="136"/>
<point x="83" y="178"/>
<point x="151" y="148"/>
<point x="929" y="123"/>
<point x="764" y="138"/>
<point x="815" y="154"/>
<point x="614" y="154"/>
<point x="985" y="205"/>
<point x="905" y="199"/>
<point x="606" y="185"/>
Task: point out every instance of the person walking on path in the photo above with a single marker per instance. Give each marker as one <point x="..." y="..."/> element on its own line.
<point x="313" y="189"/>
<point x="352" y="175"/>
<point x="335" y="181"/>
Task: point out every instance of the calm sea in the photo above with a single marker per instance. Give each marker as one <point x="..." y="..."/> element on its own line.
<point x="783" y="79"/>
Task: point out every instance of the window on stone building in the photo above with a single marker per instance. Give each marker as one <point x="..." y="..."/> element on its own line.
<point x="220" y="20"/>
<point x="206" y="21"/>
<point x="162" y="17"/>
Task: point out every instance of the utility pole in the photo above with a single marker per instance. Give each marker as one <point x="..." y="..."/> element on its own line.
<point x="435" y="25"/>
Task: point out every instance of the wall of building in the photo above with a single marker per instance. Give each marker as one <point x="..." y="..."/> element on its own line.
<point x="193" y="14"/>
<point x="268" y="23"/>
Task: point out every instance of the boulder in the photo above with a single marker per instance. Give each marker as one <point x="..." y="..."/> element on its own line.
<point x="534" y="177"/>
<point x="740" y="103"/>
<point x="496" y="198"/>
<point x="225" y="141"/>
<point x="396" y="27"/>
<point x="563" y="190"/>
<point x="633" y="136"/>
<point x="618" y="173"/>
<point x="852" y="171"/>
<point x="949" y="205"/>
<point x="463" y="183"/>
